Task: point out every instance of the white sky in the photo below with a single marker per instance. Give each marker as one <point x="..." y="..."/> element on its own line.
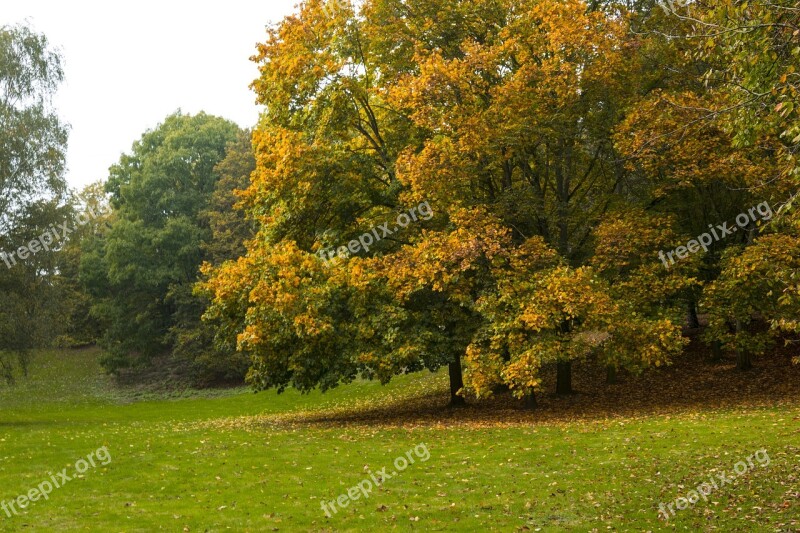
<point x="130" y="64"/>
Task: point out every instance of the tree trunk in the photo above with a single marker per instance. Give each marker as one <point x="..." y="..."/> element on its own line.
<point x="501" y="388"/>
<point x="611" y="374"/>
<point x="743" y="361"/>
<point x="530" y="401"/>
<point x="564" y="378"/>
<point x="691" y="316"/>
<point x="456" y="383"/>
<point x="716" y="352"/>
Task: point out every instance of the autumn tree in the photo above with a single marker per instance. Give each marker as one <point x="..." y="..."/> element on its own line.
<point x="720" y="135"/>
<point x="521" y="121"/>
<point x="326" y="153"/>
<point x="545" y="311"/>
<point x="504" y="123"/>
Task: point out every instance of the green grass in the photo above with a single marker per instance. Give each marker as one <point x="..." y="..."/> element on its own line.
<point x="184" y="465"/>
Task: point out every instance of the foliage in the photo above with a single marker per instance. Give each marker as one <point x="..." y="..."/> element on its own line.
<point x="213" y="355"/>
<point x="291" y="317"/>
<point x="757" y="283"/>
<point x="141" y="274"/>
<point x="32" y="193"/>
<point x="758" y="44"/>
<point x="545" y="311"/>
<point x="505" y="125"/>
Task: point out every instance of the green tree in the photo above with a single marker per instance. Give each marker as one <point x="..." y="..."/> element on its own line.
<point x="211" y="347"/>
<point x="32" y="193"/>
<point x="93" y="218"/>
<point x="230" y="226"/>
<point x="142" y="273"/>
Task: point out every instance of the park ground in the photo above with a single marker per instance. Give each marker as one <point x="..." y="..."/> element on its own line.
<point x="230" y="460"/>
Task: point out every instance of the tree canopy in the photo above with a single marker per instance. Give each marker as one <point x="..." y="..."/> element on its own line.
<point x="33" y="193"/>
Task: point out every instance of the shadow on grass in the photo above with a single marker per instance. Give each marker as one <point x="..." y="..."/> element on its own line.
<point x="691" y="385"/>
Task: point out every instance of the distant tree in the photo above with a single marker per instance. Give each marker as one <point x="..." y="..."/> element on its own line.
<point x="92" y="222"/>
<point x="211" y="347"/>
<point x="141" y="275"/>
<point x="32" y="193"/>
<point x="230" y="226"/>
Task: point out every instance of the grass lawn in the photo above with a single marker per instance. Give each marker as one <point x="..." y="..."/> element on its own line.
<point x="244" y="462"/>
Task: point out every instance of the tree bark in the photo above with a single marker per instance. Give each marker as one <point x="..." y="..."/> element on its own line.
<point x="501" y="388"/>
<point x="456" y="383"/>
<point x="691" y="315"/>
<point x="611" y="374"/>
<point x="716" y="351"/>
<point x="564" y="378"/>
<point x="530" y="401"/>
<point x="743" y="361"/>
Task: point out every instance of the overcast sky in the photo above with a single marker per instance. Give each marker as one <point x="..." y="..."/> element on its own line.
<point x="128" y="65"/>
